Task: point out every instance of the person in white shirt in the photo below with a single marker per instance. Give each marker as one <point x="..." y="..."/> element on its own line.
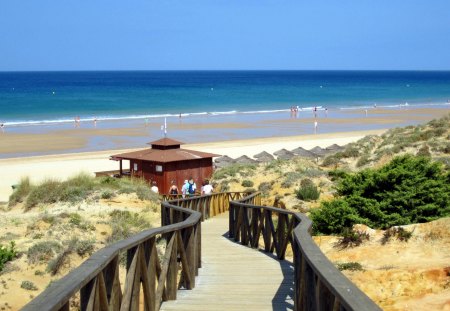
<point x="207" y="188"/>
<point x="154" y="188"/>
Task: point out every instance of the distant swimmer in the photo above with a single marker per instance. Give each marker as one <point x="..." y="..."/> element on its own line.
<point x="326" y="112"/>
<point x="375" y="105"/>
<point x="53" y="92"/>
<point x="95" y="121"/>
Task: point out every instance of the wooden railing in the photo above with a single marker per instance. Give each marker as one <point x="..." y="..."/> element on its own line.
<point x="101" y="282"/>
<point x="318" y="284"/>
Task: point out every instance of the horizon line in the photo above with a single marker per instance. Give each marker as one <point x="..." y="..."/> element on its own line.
<point x="224" y="70"/>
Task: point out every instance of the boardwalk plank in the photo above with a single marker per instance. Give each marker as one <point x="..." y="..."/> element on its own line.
<point x="235" y="277"/>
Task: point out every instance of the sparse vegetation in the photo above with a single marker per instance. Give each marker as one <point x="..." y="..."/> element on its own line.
<point x="247" y="183"/>
<point x="28" y="285"/>
<point x="352" y="266"/>
<point x="396" y="232"/>
<point x="43" y="251"/>
<point x="77" y="189"/>
<point x="125" y="223"/>
<point x="351" y="238"/>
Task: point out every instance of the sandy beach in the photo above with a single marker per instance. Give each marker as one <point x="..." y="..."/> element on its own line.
<point x="21" y="151"/>
<point x="62" y="166"/>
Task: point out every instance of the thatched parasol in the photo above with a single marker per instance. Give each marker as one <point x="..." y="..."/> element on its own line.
<point x="284" y="154"/>
<point x="319" y="151"/>
<point x="302" y="152"/>
<point x="245" y="160"/>
<point x="263" y="157"/>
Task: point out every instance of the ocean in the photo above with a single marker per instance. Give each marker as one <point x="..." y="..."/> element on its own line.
<point x="42" y="98"/>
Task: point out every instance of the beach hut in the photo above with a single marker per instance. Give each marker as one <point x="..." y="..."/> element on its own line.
<point x="166" y="161"/>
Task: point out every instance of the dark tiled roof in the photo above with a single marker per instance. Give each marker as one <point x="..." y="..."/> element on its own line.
<point x="164" y="156"/>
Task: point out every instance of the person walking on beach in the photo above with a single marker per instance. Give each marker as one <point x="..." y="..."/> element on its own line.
<point x="315" y="127"/>
<point x="2" y="126"/>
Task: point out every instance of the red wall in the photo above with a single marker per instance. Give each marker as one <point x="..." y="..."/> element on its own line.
<point x="199" y="169"/>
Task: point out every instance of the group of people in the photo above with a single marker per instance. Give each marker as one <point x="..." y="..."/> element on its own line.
<point x="189" y="188"/>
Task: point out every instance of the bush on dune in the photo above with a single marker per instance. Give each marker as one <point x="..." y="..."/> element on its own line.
<point x="407" y="190"/>
<point x="20" y="192"/>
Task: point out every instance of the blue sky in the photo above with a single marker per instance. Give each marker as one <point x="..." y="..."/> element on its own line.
<point x="224" y="34"/>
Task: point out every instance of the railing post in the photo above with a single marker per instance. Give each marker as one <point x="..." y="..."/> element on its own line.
<point x="172" y="272"/>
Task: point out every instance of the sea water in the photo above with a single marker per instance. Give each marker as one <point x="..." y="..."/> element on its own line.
<point x="46" y="98"/>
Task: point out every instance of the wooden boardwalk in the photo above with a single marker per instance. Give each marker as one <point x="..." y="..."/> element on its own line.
<point x="235" y="277"/>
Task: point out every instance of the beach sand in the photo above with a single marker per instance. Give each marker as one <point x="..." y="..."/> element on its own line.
<point x="65" y="165"/>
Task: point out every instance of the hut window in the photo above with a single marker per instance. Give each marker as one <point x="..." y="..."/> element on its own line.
<point x="135" y="167"/>
<point x="158" y="168"/>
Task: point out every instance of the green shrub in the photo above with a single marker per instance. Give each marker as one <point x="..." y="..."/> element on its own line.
<point x="332" y="160"/>
<point x="107" y="194"/>
<point x="47" y="192"/>
<point x="234" y="169"/>
<point x="7" y="254"/>
<point x="124" y="224"/>
<point x="424" y="151"/>
<point x="75" y="219"/>
<point x="352" y="266"/>
<point x="43" y="251"/>
<point x="28" y="285"/>
<point x="265" y="187"/>
<point x="363" y="160"/>
<point x="308" y="191"/>
<point x="20" y="192"/>
<point x="407" y="190"/>
<point x="247" y="183"/>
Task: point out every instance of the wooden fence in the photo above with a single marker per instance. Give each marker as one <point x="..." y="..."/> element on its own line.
<point x="150" y="278"/>
<point x="318" y="284"/>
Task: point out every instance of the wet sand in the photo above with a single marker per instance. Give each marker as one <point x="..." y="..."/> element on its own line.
<point x="20" y="142"/>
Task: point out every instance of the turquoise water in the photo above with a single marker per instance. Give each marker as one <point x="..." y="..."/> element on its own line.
<point x="39" y="98"/>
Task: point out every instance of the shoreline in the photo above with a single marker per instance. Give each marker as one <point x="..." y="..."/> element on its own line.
<point x="61" y="166"/>
<point x="118" y="135"/>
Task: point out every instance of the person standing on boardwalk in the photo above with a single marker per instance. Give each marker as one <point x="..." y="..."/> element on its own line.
<point x="191" y="187"/>
<point x="185" y="188"/>
<point x="173" y="188"/>
<point x="207" y="188"/>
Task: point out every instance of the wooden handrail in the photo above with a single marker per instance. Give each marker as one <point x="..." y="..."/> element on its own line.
<point x="97" y="280"/>
<point x="318" y="284"/>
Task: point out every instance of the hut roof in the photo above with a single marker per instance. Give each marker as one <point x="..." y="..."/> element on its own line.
<point x="264" y="157"/>
<point x="165" y="143"/>
<point x="224" y="159"/>
<point x="164" y="150"/>
<point x="245" y="160"/>
<point x="302" y="152"/>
